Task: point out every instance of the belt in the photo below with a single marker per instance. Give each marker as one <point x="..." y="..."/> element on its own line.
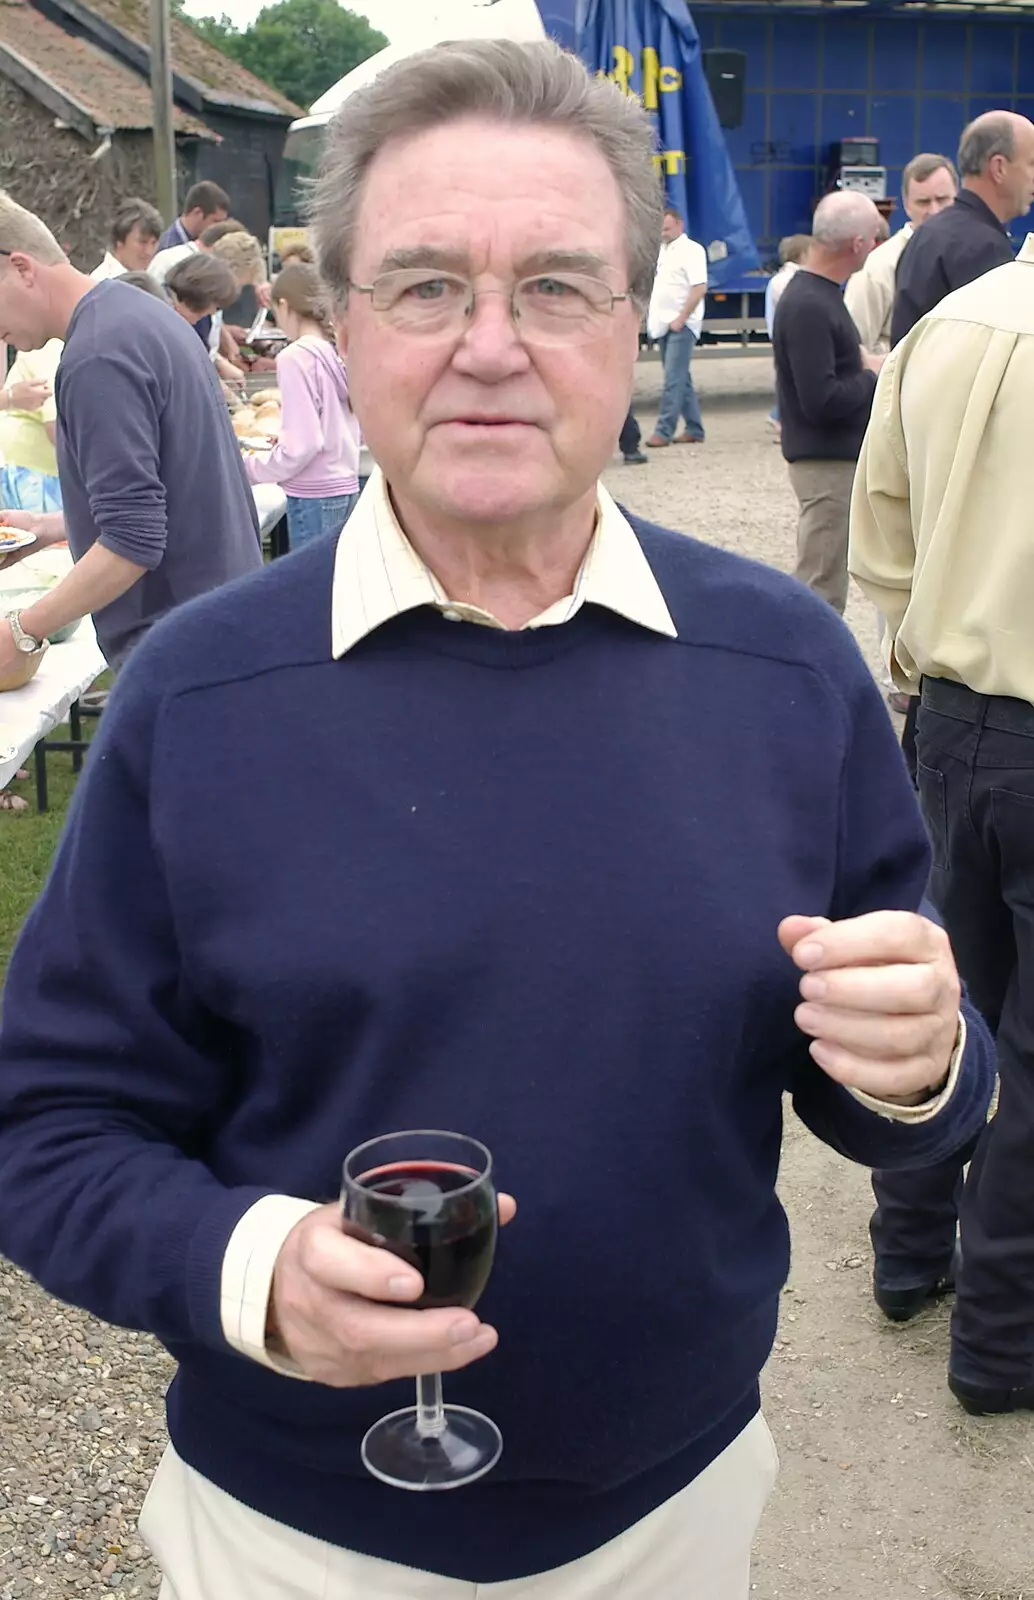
<point x="999" y="711"/>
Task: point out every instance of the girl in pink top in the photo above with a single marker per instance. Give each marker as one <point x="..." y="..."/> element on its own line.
<point x="316" y="460"/>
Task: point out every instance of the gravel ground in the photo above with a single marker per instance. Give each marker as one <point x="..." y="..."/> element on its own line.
<point x="887" y="1488"/>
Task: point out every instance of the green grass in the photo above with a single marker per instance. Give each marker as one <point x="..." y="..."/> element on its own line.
<point x="28" y="841"/>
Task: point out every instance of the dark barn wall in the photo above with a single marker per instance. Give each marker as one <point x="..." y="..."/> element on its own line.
<point x="49" y="171"/>
<point x="246" y="163"/>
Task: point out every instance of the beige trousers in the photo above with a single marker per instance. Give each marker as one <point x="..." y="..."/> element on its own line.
<point x="823" y="490"/>
<point x="694" y="1547"/>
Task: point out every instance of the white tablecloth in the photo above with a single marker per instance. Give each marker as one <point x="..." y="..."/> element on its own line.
<point x="271" y="504"/>
<point x="66" y="671"/>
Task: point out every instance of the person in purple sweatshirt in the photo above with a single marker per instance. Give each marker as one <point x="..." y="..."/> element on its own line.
<point x="599" y="842"/>
<point x="316" y="459"/>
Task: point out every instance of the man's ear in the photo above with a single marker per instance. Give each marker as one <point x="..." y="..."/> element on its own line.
<point x="25" y="266"/>
<point x="341" y="331"/>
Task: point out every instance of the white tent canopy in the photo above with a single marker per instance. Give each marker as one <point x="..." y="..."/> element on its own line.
<point x="462" y="19"/>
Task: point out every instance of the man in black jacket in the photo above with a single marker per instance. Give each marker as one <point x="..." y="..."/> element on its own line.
<point x="825" y="383"/>
<point x="996" y="165"/>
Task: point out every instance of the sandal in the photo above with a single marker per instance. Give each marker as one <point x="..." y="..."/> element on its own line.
<point x="12" y="802"/>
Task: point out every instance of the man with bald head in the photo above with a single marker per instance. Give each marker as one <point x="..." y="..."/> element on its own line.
<point x="825" y="383"/>
<point x="996" y="166"/>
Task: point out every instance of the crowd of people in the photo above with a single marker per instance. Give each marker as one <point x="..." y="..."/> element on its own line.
<point x="902" y="389"/>
<point x="117" y="425"/>
<point x="600" y="842"/>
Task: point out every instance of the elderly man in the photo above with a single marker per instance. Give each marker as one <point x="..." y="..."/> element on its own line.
<point x="996" y="163"/>
<point x="157" y="507"/>
<point x="929" y="185"/>
<point x="134" y="240"/>
<point x="490" y="909"/>
<point x="824" y="387"/>
<point x="946" y="467"/>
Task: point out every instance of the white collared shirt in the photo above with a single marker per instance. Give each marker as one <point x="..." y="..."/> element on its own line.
<point x="110" y="267"/>
<point x="681" y="268"/>
<point x="378" y="575"/>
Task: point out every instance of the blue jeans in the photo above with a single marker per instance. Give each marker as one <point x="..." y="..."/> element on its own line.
<point x="311" y="519"/>
<point x="679" y="398"/>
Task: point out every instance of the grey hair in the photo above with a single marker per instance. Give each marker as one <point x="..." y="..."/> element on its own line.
<point x="521" y="84"/>
<point x="843" y="216"/>
<point x="23" y="231"/>
<point x="993" y="134"/>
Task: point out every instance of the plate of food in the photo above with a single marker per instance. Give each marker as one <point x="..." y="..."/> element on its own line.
<point x="12" y="539"/>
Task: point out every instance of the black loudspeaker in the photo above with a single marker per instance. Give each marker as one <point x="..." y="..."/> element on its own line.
<point x="726" y="72"/>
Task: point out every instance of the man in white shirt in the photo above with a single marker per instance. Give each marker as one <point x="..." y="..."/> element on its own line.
<point x="674" y="319"/>
<point x="134" y="240"/>
<point x="928" y="184"/>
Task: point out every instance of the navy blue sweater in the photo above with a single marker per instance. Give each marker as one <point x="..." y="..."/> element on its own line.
<point x="525" y="885"/>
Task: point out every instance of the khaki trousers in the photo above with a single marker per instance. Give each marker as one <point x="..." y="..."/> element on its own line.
<point x="823" y="490"/>
<point x="694" y="1547"/>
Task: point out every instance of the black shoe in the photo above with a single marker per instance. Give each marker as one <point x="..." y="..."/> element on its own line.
<point x="988" y="1402"/>
<point x="636" y="458"/>
<point x="902" y="1304"/>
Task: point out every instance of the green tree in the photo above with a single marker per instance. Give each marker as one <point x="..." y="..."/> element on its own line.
<point x="301" y="47"/>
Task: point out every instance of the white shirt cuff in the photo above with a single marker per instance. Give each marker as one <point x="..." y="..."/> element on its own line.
<point x="247" y="1276"/>
<point x="928" y="1109"/>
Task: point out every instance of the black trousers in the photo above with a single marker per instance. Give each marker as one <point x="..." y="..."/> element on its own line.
<point x="630" y="435"/>
<point x="975" y="763"/>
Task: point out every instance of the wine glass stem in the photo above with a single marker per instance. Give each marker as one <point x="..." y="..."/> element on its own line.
<point x="430" y="1411"/>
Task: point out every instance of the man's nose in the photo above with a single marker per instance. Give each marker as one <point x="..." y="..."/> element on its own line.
<point x="491" y="341"/>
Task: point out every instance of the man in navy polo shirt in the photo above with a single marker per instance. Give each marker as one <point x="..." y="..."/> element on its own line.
<point x="599" y="840"/>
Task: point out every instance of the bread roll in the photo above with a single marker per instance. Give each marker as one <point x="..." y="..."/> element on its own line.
<point x="244" y="422"/>
<point x="266" y="397"/>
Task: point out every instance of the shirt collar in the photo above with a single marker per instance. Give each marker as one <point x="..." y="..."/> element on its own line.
<point x="973" y="202"/>
<point x="378" y="575"/>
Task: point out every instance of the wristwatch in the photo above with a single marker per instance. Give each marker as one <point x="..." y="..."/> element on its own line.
<point x="24" y="641"/>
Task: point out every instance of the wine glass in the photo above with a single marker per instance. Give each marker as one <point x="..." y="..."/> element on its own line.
<point x="429" y="1198"/>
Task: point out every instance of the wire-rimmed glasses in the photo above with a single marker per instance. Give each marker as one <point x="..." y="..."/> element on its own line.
<point x="554" y="308"/>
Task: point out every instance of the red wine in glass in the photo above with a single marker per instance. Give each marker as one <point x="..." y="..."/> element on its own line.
<point x="440" y="1217"/>
<point x="429" y="1198"/>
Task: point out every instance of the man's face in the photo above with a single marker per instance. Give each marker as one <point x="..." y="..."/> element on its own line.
<point x="190" y="315"/>
<point x="474" y="426"/>
<point x="928" y="196"/>
<point x="137" y="250"/>
<point x="1017" y="176"/>
<point x="24" y="306"/>
<point x="197" y="221"/>
<point x="671" y="227"/>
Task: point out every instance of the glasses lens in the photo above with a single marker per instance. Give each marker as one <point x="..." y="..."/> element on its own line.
<point x="421" y="301"/>
<point x="561" y="308"/>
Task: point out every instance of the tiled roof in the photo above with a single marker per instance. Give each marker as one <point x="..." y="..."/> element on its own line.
<point x="109" y="94"/>
<point x="221" y="80"/>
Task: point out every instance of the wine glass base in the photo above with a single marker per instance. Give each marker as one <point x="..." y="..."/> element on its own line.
<point x="396" y="1453"/>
